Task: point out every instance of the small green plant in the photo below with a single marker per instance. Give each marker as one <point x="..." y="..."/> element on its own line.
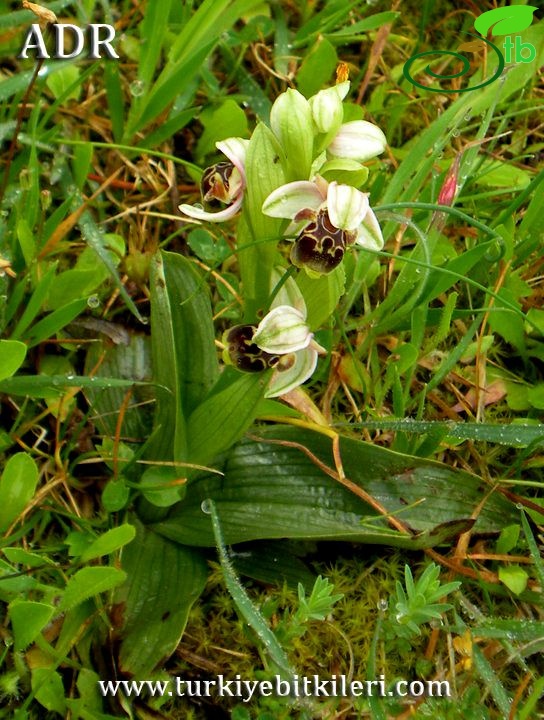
<point x="417" y="603"/>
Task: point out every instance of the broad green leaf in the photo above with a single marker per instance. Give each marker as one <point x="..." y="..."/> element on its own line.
<point x="127" y="358"/>
<point x="508" y="539"/>
<point x="505" y="20"/>
<point x="163" y="486"/>
<point x="222" y="418"/>
<point x="88" y="582"/>
<point x="228" y="120"/>
<point x="317" y="68"/>
<point x="89" y="704"/>
<point x="72" y="285"/>
<point x="183" y="350"/>
<point x="270" y="490"/>
<point x="28" y="619"/>
<point x="13" y="584"/>
<point x="514" y="577"/>
<point x="17" y="487"/>
<point x="115" y="495"/>
<point x="60" y="83"/>
<point x="12" y="356"/>
<point x="321" y="295"/>
<point x="273" y="562"/>
<point x="48" y="689"/>
<point x="503" y="175"/>
<point x="164" y="580"/>
<point x="20" y="556"/>
<point x="109" y="542"/>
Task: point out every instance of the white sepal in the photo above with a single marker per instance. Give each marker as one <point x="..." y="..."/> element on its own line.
<point x="283" y="330"/>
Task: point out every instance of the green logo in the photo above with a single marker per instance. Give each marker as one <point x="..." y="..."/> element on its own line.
<point x="497" y="22"/>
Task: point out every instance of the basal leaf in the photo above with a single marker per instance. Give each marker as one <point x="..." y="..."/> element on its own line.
<point x="183" y="349"/>
<point x="164" y="580"/>
<point x="271" y="490"/>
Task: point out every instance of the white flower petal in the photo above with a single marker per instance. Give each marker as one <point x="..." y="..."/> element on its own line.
<point x="305" y="362"/>
<point x="287" y="200"/>
<point x="369" y="233"/>
<point x="283" y="330"/>
<point x="201" y="214"/>
<point x="358" y="140"/>
<point x="235" y="149"/>
<point x="347" y="206"/>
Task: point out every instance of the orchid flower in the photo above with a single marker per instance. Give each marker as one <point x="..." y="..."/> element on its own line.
<point x="224" y="181"/>
<point x="282" y="341"/>
<point x="326" y="218"/>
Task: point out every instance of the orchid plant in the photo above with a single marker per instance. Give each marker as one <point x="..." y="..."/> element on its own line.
<point x="298" y="180"/>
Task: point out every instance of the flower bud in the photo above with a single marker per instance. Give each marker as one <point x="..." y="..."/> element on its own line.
<point x="291" y="122"/>
<point x="327" y="110"/>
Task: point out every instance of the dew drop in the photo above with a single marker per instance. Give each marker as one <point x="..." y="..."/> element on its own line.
<point x="519" y="506"/>
<point x="93" y="301"/>
<point x="455" y="133"/>
<point x="205" y="507"/>
<point x="382" y="604"/>
<point x="137" y="88"/>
